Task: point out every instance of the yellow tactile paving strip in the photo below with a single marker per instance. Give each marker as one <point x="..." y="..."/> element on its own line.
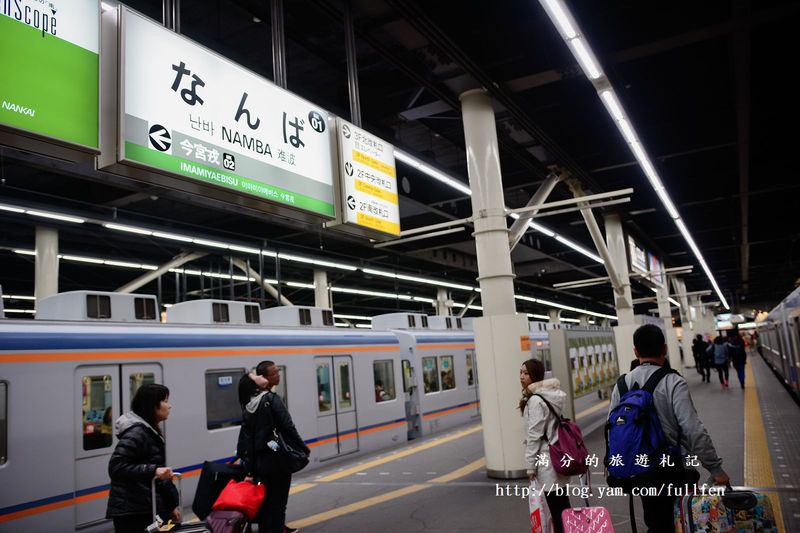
<point x="757" y="460"/>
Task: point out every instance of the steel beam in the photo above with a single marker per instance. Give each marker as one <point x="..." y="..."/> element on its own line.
<point x="177" y="261"/>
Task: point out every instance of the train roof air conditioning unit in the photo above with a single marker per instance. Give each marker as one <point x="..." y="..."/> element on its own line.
<point x="400" y="321"/>
<point x="98" y="306"/>
<point x="297" y="316"/>
<point x="223" y="312"/>
<point x="445" y="322"/>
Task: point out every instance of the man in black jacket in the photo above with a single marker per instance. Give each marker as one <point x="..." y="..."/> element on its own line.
<point x="264" y="413"/>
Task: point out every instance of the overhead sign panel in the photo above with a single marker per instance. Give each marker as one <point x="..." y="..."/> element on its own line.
<point x="368" y="181"/>
<point x="638" y="256"/>
<point x="656" y="269"/>
<point x="49" y="79"/>
<point x="187" y="112"/>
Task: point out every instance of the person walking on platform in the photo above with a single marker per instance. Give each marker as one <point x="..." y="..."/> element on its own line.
<point x="541" y="431"/>
<point x="738" y="355"/>
<point x="264" y="414"/>
<point x="681" y="427"/>
<point x="699" y="347"/>
<point x="138" y="458"/>
<point x="719" y="351"/>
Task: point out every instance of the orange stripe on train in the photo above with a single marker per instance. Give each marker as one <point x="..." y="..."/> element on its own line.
<point x="49" y="357"/>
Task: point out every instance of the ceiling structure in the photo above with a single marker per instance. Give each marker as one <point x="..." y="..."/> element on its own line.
<point x="700" y="81"/>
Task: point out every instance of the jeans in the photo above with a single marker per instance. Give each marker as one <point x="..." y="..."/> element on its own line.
<point x="740" y="373"/>
<point x="722" y="369"/>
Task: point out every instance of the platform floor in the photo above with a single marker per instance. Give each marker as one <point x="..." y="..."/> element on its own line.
<point x="438" y="484"/>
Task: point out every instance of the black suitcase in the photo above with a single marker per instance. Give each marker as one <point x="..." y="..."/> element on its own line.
<point x="176" y="528"/>
<point x="213" y="478"/>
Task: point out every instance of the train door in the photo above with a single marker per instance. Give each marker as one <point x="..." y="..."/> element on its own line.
<point x="337" y="423"/>
<point x="102" y="394"/>
<point x="472" y="382"/>
<point x="411" y="395"/>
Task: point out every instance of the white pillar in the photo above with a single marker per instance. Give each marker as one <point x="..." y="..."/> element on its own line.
<point x="626" y="323"/>
<point x="499" y="332"/>
<point x="671" y="336"/>
<point x="442" y="301"/>
<point x="322" y="293"/>
<point x="687" y="324"/>
<point x="584" y="320"/>
<point x="46" y="270"/>
<point x="554" y="316"/>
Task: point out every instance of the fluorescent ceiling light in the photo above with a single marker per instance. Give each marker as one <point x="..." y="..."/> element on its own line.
<point x="585" y="59"/>
<point x="417" y="279"/>
<point x="573" y="320"/>
<point x="579" y="248"/>
<point x="129" y="229"/>
<point x="562" y="19"/>
<point x="24" y="252"/>
<point x="318" y="262"/>
<point x="473" y="307"/>
<point x="432" y="172"/>
<point x="674" y="302"/>
<point x="364" y="326"/>
<point x="610" y="99"/>
<point x="11" y="209"/>
<point x="55" y="216"/>
<point x="18" y="297"/>
<point x="540" y="317"/>
<point x="83" y="259"/>
<point x="172" y="236"/>
<point x="213" y="244"/>
<point x="245" y="249"/>
<point x="341" y="325"/>
<point x="300" y="285"/>
<point x="26" y="311"/>
<point x="558" y="12"/>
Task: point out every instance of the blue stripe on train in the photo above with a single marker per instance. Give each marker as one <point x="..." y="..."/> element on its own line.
<point x="364" y="428"/>
<point x="93" y="341"/>
<point x="449" y="339"/>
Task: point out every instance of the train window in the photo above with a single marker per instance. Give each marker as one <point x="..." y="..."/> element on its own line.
<point x="470" y="370"/>
<point x="98" y="306"/>
<point x="323" y="387"/>
<point x="305" y="317"/>
<point x="408" y="381"/>
<point x="430" y="374"/>
<point x="327" y="318"/>
<point x="448" y="374"/>
<point x="141" y="378"/>
<point x="345" y="396"/>
<point x="383" y="374"/>
<point x="97" y="418"/>
<point x="280" y="388"/>
<point x="219" y="312"/>
<point x="222" y="398"/>
<point x="145" y="308"/>
<point x="251" y="314"/>
<point x="3" y="422"/>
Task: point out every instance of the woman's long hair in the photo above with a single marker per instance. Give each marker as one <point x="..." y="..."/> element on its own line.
<point x="535" y="370"/>
<point x="147" y="400"/>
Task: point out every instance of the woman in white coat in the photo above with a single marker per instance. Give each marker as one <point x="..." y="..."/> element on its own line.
<point x="540" y="430"/>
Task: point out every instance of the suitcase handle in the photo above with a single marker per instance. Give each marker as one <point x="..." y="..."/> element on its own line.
<point x="175" y="475"/>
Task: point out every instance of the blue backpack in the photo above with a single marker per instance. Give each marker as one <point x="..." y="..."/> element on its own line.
<point x="633" y="429"/>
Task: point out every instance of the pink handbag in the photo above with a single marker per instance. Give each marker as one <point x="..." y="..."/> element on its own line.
<point x="587" y="520"/>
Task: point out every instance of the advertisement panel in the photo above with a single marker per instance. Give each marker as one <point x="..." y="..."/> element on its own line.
<point x="187" y="112"/>
<point x="49" y="80"/>
<point x="369" y="180"/>
<point x="656" y="269"/>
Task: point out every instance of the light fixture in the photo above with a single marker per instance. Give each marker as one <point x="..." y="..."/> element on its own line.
<point x="561" y="17"/>
<point x="26" y="311"/>
<point x="300" y="285"/>
<point x="18" y="297"/>
<point x="417" y="279"/>
<point x="352" y="317"/>
<point x="172" y="236"/>
<point x="54" y="216"/>
<point x="11" y="209"/>
<point x="129" y="229"/>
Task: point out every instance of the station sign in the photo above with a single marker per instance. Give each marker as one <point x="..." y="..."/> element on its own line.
<point x="638" y="256"/>
<point x="368" y="181"/>
<point x="49" y="79"/>
<point x="656" y="269"/>
<point x="187" y="112"/>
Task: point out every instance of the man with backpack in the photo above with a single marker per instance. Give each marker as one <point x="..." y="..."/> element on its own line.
<point x="652" y="427"/>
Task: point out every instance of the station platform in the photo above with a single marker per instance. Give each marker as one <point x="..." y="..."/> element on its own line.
<point x="438" y="484"/>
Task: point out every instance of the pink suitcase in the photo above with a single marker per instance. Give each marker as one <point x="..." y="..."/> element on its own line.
<point x="587" y="520"/>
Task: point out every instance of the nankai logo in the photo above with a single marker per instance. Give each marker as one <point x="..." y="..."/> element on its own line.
<point x="22" y="110"/>
<point x="39" y="14"/>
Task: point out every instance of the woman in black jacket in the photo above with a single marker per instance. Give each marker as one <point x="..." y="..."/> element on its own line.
<point x="263" y="413"/>
<point x="138" y="458"/>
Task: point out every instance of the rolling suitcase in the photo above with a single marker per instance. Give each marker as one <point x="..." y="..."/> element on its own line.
<point x="587" y="519"/>
<point x="736" y="511"/>
<point x="213" y="478"/>
<point x="227" y="522"/>
<point x="161" y="525"/>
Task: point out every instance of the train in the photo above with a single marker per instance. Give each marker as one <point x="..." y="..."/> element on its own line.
<point x="66" y="376"/>
<point x="779" y="341"/>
